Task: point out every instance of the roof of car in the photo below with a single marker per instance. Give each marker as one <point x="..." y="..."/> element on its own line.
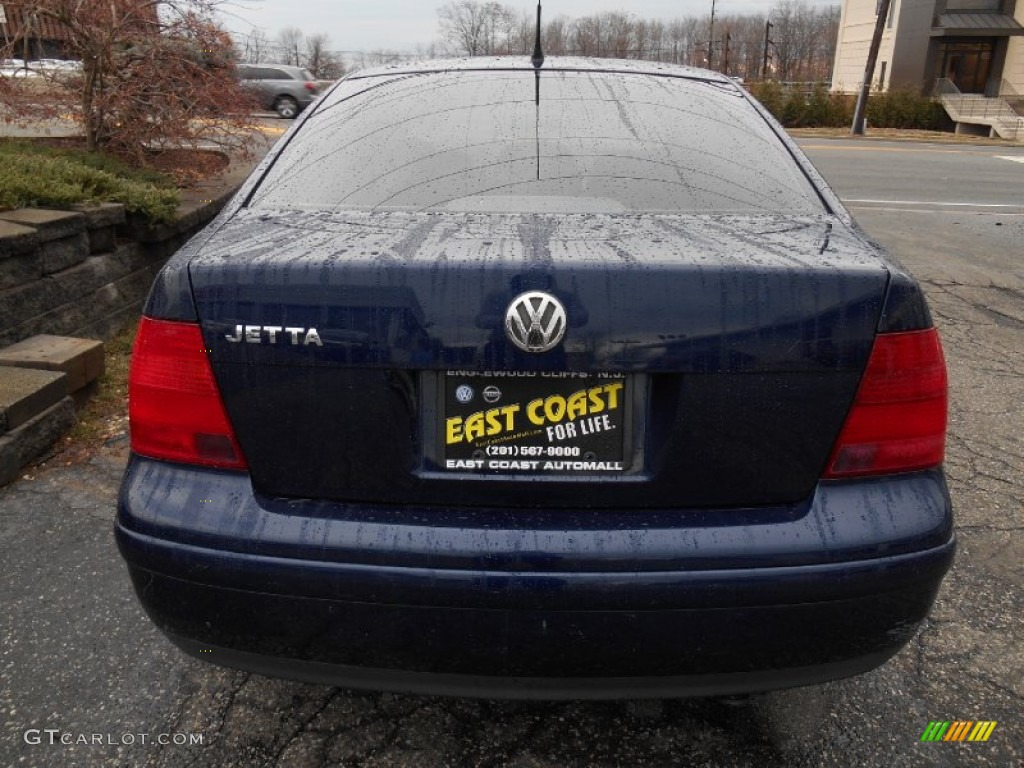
<point x="559" y="63"/>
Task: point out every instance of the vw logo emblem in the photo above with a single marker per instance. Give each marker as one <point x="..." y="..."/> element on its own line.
<point x="535" y="321"/>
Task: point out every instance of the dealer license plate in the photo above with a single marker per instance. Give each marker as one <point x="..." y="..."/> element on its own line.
<point x="535" y="423"/>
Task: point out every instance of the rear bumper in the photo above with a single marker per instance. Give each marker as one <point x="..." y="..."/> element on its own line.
<point x="495" y="603"/>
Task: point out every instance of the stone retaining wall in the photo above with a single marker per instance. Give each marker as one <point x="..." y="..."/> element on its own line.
<point x="85" y="272"/>
<point x="64" y="274"/>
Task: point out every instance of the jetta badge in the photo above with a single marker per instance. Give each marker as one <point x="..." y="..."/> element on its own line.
<point x="535" y="321"/>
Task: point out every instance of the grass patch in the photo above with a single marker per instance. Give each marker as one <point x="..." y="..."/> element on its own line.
<point x="34" y="175"/>
<point x="106" y="414"/>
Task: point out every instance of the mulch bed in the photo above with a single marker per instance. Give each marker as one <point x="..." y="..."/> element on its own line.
<point x="188" y="167"/>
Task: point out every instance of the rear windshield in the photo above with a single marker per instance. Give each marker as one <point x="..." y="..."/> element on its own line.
<point x="480" y="142"/>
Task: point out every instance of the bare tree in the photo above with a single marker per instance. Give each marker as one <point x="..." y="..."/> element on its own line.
<point x="256" y="47"/>
<point x="499" y="23"/>
<point x="651" y="41"/>
<point x="804" y="37"/>
<point x="588" y="38"/>
<point x="746" y="44"/>
<point x="323" y="64"/>
<point x="522" y="34"/>
<point x="464" y="26"/>
<point x="798" y="35"/>
<point x="826" y="37"/>
<point x="150" y="70"/>
<point x="555" y="35"/>
<point x="618" y="28"/>
<point x="683" y="37"/>
<point x="291" y="42"/>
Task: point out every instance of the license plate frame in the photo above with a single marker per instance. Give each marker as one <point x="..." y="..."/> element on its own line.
<point x="535" y="423"/>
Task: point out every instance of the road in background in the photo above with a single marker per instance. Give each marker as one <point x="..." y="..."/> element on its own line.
<point x="919" y="175"/>
<point x="76" y="653"/>
<point x="947" y="209"/>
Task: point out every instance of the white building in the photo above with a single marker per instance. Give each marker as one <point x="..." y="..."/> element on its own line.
<point x="974" y="43"/>
<point x="970" y="49"/>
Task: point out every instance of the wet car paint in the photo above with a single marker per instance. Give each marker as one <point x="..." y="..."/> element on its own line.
<point x="494" y="576"/>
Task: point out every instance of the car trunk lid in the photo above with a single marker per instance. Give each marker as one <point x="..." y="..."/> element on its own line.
<point x="339" y="340"/>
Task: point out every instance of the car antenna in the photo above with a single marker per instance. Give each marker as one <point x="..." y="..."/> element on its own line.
<point x="538" y="61"/>
<point x="538" y="52"/>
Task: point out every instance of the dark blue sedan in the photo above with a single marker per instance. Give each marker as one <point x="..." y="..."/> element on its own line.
<point x="554" y="379"/>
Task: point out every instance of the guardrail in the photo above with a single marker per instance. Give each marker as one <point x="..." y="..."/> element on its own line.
<point x="980" y="109"/>
<point x="1010" y="95"/>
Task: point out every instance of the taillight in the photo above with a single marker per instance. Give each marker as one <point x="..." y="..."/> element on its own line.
<point x="311" y="87"/>
<point x="898" y="420"/>
<point x="174" y="406"/>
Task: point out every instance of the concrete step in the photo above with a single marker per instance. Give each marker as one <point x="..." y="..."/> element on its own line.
<point x="22" y="444"/>
<point x="25" y="393"/>
<point x="41" y="380"/>
<point x="81" y="359"/>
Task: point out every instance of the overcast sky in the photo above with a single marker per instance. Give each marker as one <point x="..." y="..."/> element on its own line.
<point x="367" y="25"/>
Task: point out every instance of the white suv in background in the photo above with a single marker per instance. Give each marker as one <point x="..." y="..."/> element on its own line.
<point x="284" y="89"/>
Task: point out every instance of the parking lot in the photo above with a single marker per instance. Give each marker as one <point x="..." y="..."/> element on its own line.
<point x="80" y="663"/>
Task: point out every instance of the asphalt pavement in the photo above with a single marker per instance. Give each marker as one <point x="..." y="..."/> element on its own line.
<point x="79" y="662"/>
